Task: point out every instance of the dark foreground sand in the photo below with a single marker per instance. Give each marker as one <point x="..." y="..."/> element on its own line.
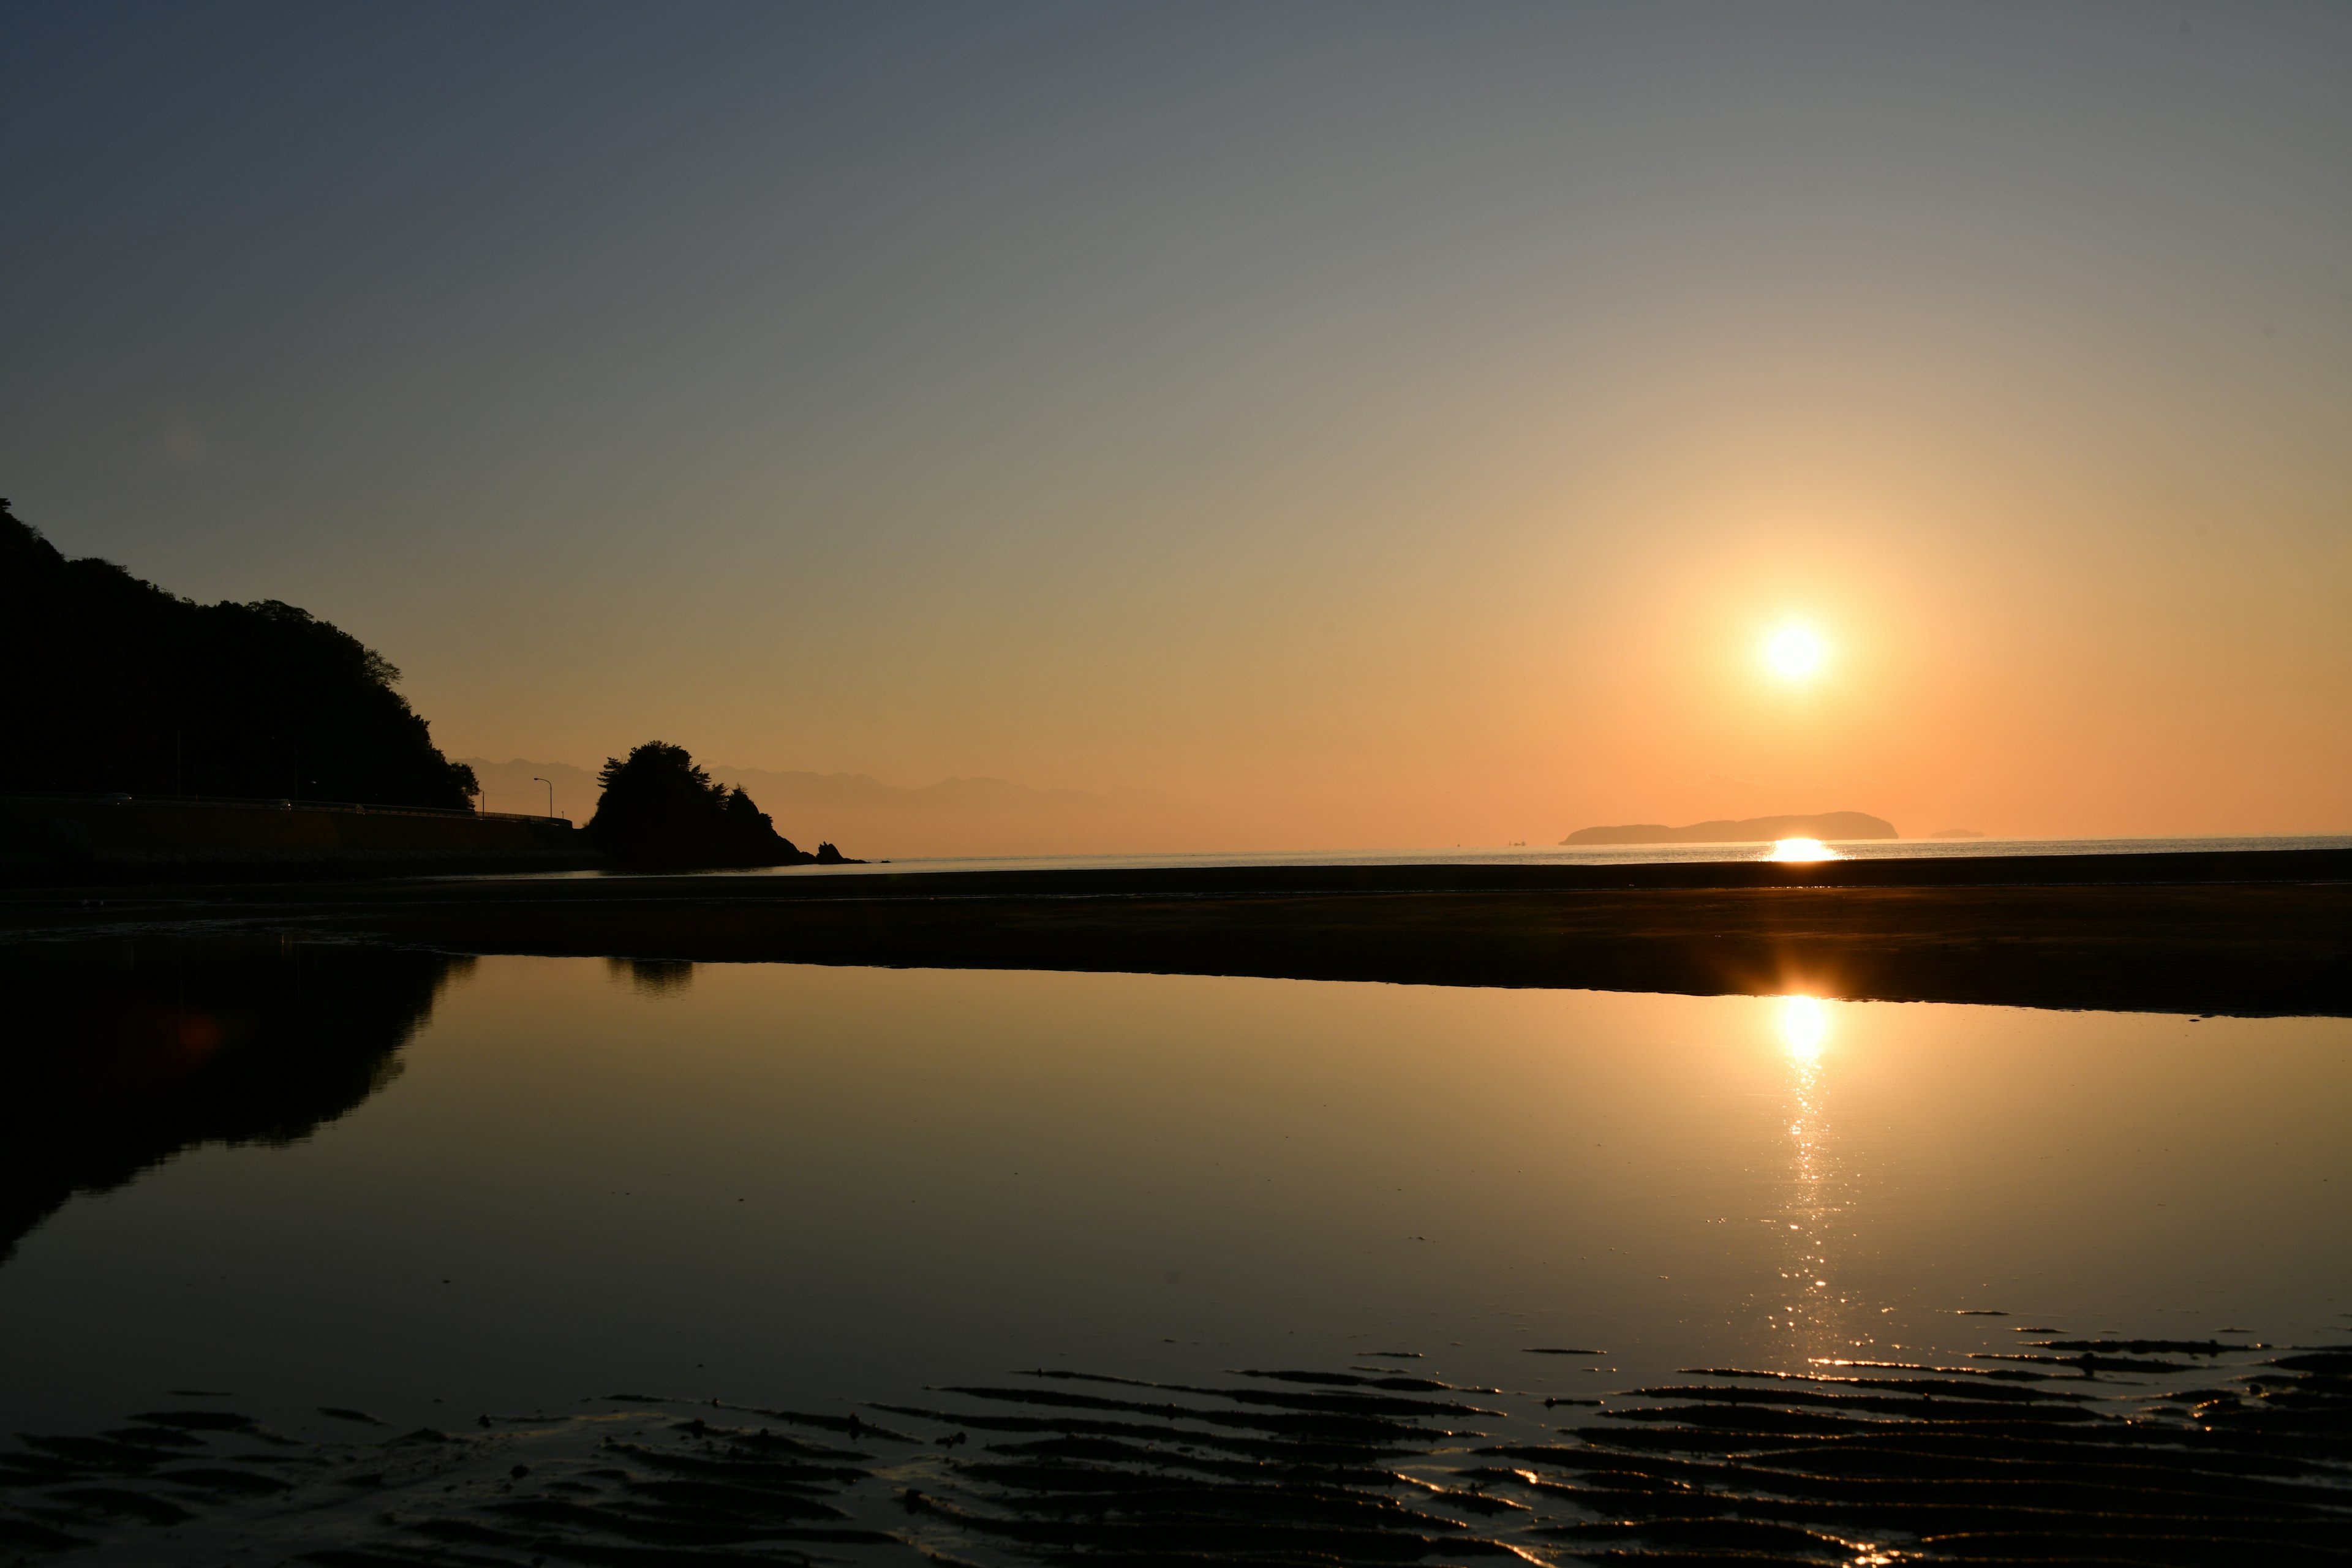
<point x="2095" y="1451"/>
<point x="2262" y="931"/>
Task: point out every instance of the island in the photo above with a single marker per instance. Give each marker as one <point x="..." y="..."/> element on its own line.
<point x="1824" y="825"/>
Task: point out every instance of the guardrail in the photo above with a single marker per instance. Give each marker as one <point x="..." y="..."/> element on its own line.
<point x="277" y="803"/>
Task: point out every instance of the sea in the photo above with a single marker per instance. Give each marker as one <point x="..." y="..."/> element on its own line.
<point x="1541" y="855"/>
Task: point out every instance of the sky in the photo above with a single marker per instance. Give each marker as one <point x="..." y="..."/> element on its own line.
<point x="1369" y="425"/>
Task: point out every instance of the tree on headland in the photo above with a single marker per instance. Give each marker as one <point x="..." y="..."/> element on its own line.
<point x="659" y="809"/>
<point x="109" y="683"/>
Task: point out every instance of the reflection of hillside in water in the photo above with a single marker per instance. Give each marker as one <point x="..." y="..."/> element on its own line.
<point x="117" y="1056"/>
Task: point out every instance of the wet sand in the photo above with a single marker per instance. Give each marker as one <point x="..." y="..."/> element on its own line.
<point x="2248" y="932"/>
<point x="2085" y="1452"/>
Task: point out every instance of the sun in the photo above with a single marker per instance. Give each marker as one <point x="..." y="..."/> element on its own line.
<point x="1795" y="652"/>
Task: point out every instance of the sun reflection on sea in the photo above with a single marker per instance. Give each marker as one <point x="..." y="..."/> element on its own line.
<point x="1802" y="849"/>
<point x="1804" y="1025"/>
<point x="1809" y="1307"/>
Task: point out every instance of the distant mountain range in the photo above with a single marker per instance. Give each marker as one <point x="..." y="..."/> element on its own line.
<point x="1824" y="825"/>
<point x="870" y="819"/>
<point x="988" y="816"/>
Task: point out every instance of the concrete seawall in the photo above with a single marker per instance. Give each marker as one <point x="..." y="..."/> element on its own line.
<point x="88" y="839"/>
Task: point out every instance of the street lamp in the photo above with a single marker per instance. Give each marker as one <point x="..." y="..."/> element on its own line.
<point x="551" y="792"/>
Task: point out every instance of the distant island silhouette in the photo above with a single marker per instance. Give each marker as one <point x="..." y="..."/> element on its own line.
<point x="114" y="685"/>
<point x="1824" y="825"/>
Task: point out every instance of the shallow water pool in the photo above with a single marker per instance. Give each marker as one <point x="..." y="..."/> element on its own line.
<point x="283" y="1180"/>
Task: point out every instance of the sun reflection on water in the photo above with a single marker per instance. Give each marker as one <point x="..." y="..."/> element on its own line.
<point x="1804" y="1026"/>
<point x="1802" y="849"/>
<point x="1811" y="1307"/>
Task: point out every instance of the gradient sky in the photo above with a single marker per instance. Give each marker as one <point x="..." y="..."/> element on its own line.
<point x="1383" y="425"/>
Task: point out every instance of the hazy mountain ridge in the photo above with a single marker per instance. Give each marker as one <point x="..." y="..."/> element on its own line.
<point x="870" y="819"/>
<point x="863" y="790"/>
<point x="1824" y="825"/>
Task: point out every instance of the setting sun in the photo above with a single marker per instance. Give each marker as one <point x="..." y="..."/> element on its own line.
<point x="1795" y="652"/>
<point x="1802" y="849"/>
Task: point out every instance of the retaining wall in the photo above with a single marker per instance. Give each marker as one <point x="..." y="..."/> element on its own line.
<point x="86" y="838"/>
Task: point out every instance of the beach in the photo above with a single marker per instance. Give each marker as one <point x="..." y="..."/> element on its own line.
<point x="2248" y="931"/>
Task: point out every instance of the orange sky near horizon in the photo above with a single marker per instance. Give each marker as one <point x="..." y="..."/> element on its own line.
<point x="1373" y="427"/>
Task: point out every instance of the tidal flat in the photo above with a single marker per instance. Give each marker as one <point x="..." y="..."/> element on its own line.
<point x="2261" y="930"/>
<point x="341" y="1252"/>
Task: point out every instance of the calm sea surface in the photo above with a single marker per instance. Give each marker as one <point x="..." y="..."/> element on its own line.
<point x="1558" y="854"/>
<point x="288" y="1182"/>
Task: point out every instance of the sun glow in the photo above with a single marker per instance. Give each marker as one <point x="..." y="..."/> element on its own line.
<point x="1801" y="849"/>
<point x="1804" y="1026"/>
<point x="1795" y="652"/>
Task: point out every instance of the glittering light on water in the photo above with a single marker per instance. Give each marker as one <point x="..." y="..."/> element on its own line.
<point x="1802" y="849"/>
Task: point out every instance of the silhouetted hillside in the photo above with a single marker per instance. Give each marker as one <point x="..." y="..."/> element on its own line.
<point x="1750" y="830"/>
<point x="112" y="684"/>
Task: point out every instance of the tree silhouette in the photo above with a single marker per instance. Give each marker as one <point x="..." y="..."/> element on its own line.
<point x="660" y="809"/>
